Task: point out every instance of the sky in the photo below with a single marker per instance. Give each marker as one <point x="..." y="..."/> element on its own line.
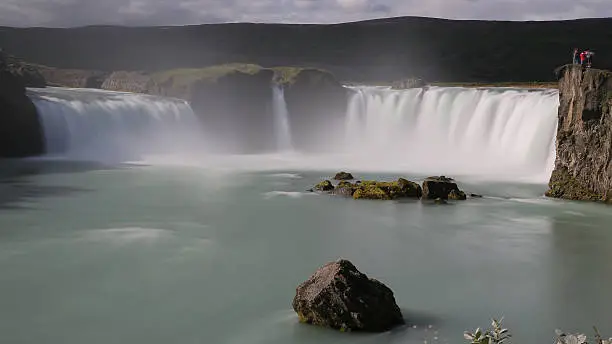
<point x="70" y="13"/>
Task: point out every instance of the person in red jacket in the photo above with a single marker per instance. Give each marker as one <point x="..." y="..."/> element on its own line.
<point x="582" y="57"/>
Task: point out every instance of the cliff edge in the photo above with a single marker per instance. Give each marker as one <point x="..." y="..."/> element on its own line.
<point x="20" y="128"/>
<point x="583" y="167"/>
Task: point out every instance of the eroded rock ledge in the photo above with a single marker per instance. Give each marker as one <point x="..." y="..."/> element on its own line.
<point x="583" y="167"/>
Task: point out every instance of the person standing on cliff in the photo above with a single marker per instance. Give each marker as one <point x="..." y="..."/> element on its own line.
<point x="589" y="57"/>
<point x="576" y="57"/>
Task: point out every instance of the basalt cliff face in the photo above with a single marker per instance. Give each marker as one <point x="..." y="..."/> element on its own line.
<point x="583" y="167"/>
<point x="20" y="129"/>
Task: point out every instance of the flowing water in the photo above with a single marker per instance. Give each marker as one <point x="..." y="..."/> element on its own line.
<point x="281" y="120"/>
<point x="184" y="248"/>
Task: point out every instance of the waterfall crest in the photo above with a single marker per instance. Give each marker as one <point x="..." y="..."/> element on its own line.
<point x="95" y="124"/>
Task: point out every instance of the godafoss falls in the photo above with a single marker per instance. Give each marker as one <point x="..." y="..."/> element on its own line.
<point x="146" y="222"/>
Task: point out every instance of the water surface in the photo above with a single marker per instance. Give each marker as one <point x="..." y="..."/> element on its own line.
<point x="92" y="254"/>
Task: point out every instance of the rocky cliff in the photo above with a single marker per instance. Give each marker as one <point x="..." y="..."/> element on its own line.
<point x="583" y="167"/>
<point x="20" y="129"/>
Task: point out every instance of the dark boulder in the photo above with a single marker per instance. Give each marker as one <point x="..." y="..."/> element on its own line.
<point x="439" y="187"/>
<point x="341" y="297"/>
<point x="20" y="127"/>
<point x="343" y="176"/>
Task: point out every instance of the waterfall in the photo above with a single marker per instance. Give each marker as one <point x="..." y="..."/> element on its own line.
<point x="281" y="120"/>
<point x="455" y="130"/>
<point x="95" y="124"/>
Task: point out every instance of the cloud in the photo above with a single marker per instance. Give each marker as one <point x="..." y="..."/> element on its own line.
<point x="67" y="13"/>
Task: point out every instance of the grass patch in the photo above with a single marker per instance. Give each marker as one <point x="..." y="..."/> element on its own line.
<point x="186" y="76"/>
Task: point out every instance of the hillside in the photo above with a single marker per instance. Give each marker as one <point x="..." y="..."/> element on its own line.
<point x="437" y="50"/>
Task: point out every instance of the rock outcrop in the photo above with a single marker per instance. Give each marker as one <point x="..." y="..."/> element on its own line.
<point x="371" y="189"/>
<point x="408" y="83"/>
<point x="74" y="78"/>
<point x="442" y="187"/>
<point x="583" y="165"/>
<point x="20" y="127"/>
<point x="123" y="81"/>
<point x="341" y="297"/>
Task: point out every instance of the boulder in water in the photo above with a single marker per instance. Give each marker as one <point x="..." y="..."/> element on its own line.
<point x="343" y="176"/>
<point x="339" y="296"/>
<point x="440" y="187"/>
<point x="325" y="185"/>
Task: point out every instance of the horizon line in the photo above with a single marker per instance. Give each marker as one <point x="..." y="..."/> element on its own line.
<point x="363" y="21"/>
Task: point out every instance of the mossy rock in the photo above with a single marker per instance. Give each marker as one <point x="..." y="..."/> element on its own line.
<point x="345" y="183"/>
<point x="457" y="195"/>
<point x="563" y="185"/>
<point x="401" y="188"/>
<point x="325" y="185"/>
<point x="371" y="192"/>
<point x="343" y="176"/>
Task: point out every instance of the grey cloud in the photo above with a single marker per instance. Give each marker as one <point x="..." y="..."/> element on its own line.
<point x="67" y="13"/>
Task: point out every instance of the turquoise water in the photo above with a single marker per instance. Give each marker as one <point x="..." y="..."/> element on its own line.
<point x="151" y="254"/>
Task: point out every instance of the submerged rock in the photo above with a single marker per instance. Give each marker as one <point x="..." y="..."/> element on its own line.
<point x="339" y="296"/>
<point x="441" y="187"/>
<point x="343" y="176"/>
<point x="325" y="185"/>
<point x="473" y="195"/>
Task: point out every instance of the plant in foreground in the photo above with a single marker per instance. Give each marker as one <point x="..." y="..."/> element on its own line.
<point x="496" y="335"/>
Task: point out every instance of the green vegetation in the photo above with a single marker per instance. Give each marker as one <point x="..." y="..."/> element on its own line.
<point x="186" y="76"/>
<point x="495" y="335"/>
<point x="286" y="75"/>
<point x="499" y="335"/>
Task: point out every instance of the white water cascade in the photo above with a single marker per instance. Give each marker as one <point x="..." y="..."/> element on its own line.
<point x="441" y="130"/>
<point x="281" y="120"/>
<point x="104" y="125"/>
